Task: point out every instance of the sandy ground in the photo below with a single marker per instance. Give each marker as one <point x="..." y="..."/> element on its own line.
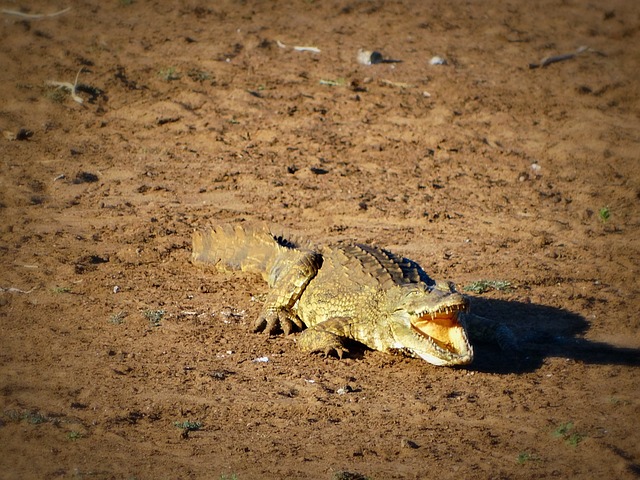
<point x="195" y="113"/>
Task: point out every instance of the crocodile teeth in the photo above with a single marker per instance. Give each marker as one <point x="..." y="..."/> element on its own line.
<point x="444" y="310"/>
<point x="441" y="319"/>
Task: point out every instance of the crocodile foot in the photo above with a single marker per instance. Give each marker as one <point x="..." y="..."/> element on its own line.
<point x="489" y="331"/>
<point x="319" y="340"/>
<point x="274" y="320"/>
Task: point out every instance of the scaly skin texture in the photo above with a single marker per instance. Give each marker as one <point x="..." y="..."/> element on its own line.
<point x="344" y="292"/>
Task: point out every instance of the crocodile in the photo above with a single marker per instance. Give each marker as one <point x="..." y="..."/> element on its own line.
<point x="345" y="292"/>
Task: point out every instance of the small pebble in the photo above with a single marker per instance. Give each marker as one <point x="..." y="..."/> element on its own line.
<point x="345" y="389"/>
<point x="406" y="443"/>
<point x="365" y="57"/>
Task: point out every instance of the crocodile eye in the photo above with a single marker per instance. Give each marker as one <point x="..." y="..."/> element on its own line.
<point x="415" y="292"/>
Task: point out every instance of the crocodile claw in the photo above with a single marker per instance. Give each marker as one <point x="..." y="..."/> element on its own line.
<point x="319" y="340"/>
<point x="276" y="320"/>
<point x="335" y="351"/>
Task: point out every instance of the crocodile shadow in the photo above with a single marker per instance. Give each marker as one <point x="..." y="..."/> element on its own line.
<point x="542" y="332"/>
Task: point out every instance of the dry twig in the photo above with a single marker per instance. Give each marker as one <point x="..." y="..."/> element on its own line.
<point x="558" y="58"/>
<point x="35" y="16"/>
<point x="15" y="290"/>
<point x="68" y="86"/>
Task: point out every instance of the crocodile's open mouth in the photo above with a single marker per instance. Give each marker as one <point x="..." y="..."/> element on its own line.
<point x="444" y="328"/>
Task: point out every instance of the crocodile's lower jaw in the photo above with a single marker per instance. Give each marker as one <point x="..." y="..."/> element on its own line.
<point x="449" y="362"/>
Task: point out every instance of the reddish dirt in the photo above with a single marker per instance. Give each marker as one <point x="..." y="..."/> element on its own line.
<point x="480" y="169"/>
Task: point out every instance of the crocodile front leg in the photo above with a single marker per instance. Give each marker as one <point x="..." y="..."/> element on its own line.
<point x="288" y="277"/>
<point x="484" y="330"/>
<point x="327" y="337"/>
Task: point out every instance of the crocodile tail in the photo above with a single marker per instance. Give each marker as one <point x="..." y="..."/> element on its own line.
<point x="250" y="250"/>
